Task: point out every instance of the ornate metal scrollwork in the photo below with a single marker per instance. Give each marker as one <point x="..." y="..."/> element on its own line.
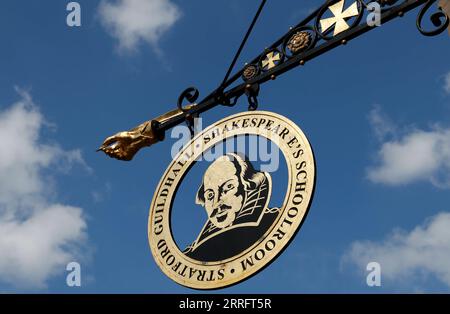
<point x="252" y="92"/>
<point x="190" y="94"/>
<point x="331" y="25"/>
<point x="439" y="19"/>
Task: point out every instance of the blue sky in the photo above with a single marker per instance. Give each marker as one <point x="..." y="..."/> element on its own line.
<point x="377" y="113"/>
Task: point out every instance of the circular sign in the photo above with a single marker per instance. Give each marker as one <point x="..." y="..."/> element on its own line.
<point x="241" y="234"/>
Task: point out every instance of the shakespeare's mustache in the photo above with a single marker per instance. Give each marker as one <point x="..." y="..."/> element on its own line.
<point x="220" y="209"/>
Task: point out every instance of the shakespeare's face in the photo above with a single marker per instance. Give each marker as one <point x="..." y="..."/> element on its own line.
<point x="223" y="192"/>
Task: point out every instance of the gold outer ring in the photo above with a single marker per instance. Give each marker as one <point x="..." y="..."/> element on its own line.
<point x="300" y="161"/>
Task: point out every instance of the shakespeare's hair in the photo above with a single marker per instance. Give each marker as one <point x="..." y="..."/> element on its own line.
<point x="248" y="176"/>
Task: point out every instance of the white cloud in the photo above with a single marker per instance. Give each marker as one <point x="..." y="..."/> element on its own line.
<point x="38" y="246"/>
<point x="409" y="256"/>
<point x="134" y="21"/>
<point x="381" y="124"/>
<point x="417" y="155"/>
<point x="37" y="235"/>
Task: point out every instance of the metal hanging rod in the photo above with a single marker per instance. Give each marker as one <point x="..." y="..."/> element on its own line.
<point x="304" y="42"/>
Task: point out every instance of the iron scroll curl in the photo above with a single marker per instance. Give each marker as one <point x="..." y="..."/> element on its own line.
<point x="439" y="19"/>
<point x="190" y="94"/>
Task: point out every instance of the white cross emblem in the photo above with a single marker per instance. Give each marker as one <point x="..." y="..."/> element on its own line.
<point x="339" y="18"/>
<point x="271" y="60"/>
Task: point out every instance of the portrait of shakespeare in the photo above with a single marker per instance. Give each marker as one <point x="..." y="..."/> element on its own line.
<point x="236" y="198"/>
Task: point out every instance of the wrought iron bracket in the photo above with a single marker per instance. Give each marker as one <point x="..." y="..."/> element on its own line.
<point x="332" y="25"/>
<point x="310" y="42"/>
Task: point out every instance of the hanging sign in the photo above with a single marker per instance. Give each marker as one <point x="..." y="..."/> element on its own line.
<point x="241" y="233"/>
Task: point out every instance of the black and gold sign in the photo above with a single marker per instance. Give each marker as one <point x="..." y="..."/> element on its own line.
<point x="241" y="233"/>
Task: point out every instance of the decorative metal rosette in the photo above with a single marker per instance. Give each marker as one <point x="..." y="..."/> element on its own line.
<point x="299" y="40"/>
<point x="250" y="71"/>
